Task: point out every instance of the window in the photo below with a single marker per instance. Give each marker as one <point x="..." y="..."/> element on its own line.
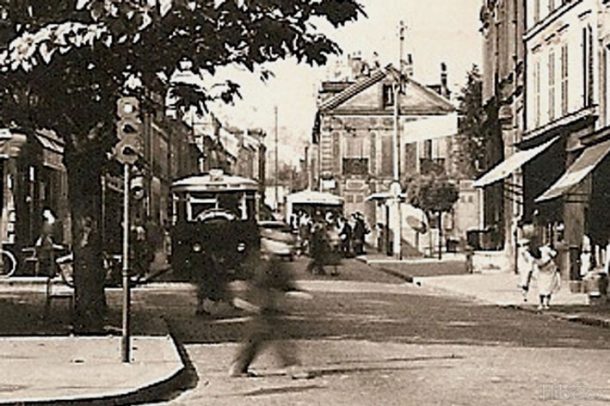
<point x="564" y="79"/>
<point x="387" y="155"/>
<point x="537" y="94"/>
<point x="551" y="6"/>
<point x="551" y="85"/>
<point x="427" y="149"/>
<point x="388" y="95"/>
<point x="356" y="156"/>
<point x="536" y="11"/>
<point x="587" y="65"/>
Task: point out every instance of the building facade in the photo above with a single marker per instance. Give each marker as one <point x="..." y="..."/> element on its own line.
<point x="353" y="153"/>
<point x="503" y="89"/>
<point x="561" y="155"/>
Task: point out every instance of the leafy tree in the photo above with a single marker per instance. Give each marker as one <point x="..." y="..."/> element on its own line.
<point x="472" y="137"/>
<point x="434" y="195"/>
<point x="67" y="61"/>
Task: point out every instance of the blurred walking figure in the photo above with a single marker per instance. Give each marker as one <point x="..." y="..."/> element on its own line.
<point x="270" y="282"/>
<point x="318" y="249"/>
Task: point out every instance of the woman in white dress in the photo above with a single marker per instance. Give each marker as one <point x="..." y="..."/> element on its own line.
<point x="546" y="273"/>
<point x="525" y="266"/>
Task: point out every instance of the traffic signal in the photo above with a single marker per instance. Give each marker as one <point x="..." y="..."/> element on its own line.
<point x="129" y="130"/>
<point x="129" y="149"/>
<point x="138" y="191"/>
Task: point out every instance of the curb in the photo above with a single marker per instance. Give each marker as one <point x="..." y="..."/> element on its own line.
<point x="163" y="390"/>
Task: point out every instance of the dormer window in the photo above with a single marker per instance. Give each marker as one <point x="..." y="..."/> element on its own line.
<point x="388" y="95"/>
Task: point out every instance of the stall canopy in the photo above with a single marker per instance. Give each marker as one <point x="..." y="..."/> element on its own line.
<point x="584" y="165"/>
<point x="511" y="164"/>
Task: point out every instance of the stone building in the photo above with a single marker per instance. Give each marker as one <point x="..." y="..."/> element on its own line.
<point x="562" y="152"/>
<point x="353" y="152"/>
<point x="503" y="26"/>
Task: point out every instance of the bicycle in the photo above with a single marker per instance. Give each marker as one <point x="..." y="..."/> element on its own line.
<point x="9" y="263"/>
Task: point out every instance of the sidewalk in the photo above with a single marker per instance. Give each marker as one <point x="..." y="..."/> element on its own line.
<point x="41" y="362"/>
<point x="500" y="288"/>
<point x="491" y="287"/>
<point x="62" y="369"/>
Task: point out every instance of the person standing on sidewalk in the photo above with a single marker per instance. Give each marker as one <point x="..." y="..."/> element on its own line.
<point x="269" y="283"/>
<point x="546" y="273"/>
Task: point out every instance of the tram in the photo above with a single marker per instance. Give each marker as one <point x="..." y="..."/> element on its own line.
<point x="214" y="224"/>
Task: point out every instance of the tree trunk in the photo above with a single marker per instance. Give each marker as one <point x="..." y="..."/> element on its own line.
<point x="85" y="201"/>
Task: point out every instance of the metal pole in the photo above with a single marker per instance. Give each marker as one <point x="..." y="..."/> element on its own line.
<point x="277" y="199"/>
<point x="395" y="187"/>
<point x="125" y="347"/>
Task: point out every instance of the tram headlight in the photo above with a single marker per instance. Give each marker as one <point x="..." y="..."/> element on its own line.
<point x="241" y="247"/>
<point x="197" y="247"/>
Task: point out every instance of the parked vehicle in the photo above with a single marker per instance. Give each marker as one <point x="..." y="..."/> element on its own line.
<point x="282" y="240"/>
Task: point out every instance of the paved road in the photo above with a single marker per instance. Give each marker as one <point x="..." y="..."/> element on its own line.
<point x="390" y="343"/>
<point x="369" y="339"/>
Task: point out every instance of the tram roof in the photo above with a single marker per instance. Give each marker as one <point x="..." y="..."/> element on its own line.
<point x="314" y="197"/>
<point x="214" y="182"/>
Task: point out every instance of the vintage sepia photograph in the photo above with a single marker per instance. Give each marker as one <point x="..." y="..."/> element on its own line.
<point x="304" y="202"/>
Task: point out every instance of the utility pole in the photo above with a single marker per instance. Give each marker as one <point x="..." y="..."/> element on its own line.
<point x="277" y="199"/>
<point x="395" y="188"/>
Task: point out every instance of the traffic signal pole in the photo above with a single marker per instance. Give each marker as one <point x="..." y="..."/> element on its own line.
<point x="125" y="338"/>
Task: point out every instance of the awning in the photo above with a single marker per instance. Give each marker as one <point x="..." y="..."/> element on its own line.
<point x="383" y="196"/>
<point x="511" y="164"/>
<point x="229" y="142"/>
<point x="584" y="165"/>
<point x="52" y="150"/>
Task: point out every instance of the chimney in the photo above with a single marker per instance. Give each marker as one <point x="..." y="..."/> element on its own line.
<point x="444" y="86"/>
<point x="359" y="68"/>
<point x="407" y="66"/>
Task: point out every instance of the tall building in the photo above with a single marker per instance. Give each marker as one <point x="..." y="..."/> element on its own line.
<point x="562" y="152"/>
<point x="503" y="76"/>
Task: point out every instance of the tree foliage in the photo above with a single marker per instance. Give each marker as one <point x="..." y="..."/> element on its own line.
<point x="66" y="62"/>
<point x="432" y="194"/>
<point x="472" y="126"/>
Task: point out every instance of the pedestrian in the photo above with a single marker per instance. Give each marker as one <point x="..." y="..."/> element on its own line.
<point x="270" y="282"/>
<point x="525" y="266"/>
<point x="210" y="276"/>
<point x="345" y="233"/>
<point x="318" y="247"/>
<point x="359" y="233"/>
<point x="45" y="244"/>
<point x="546" y="273"/>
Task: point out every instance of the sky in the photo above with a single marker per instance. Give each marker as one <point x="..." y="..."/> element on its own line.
<point x="437" y="31"/>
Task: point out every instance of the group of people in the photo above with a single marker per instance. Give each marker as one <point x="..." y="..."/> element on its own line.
<point x="345" y="236"/>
